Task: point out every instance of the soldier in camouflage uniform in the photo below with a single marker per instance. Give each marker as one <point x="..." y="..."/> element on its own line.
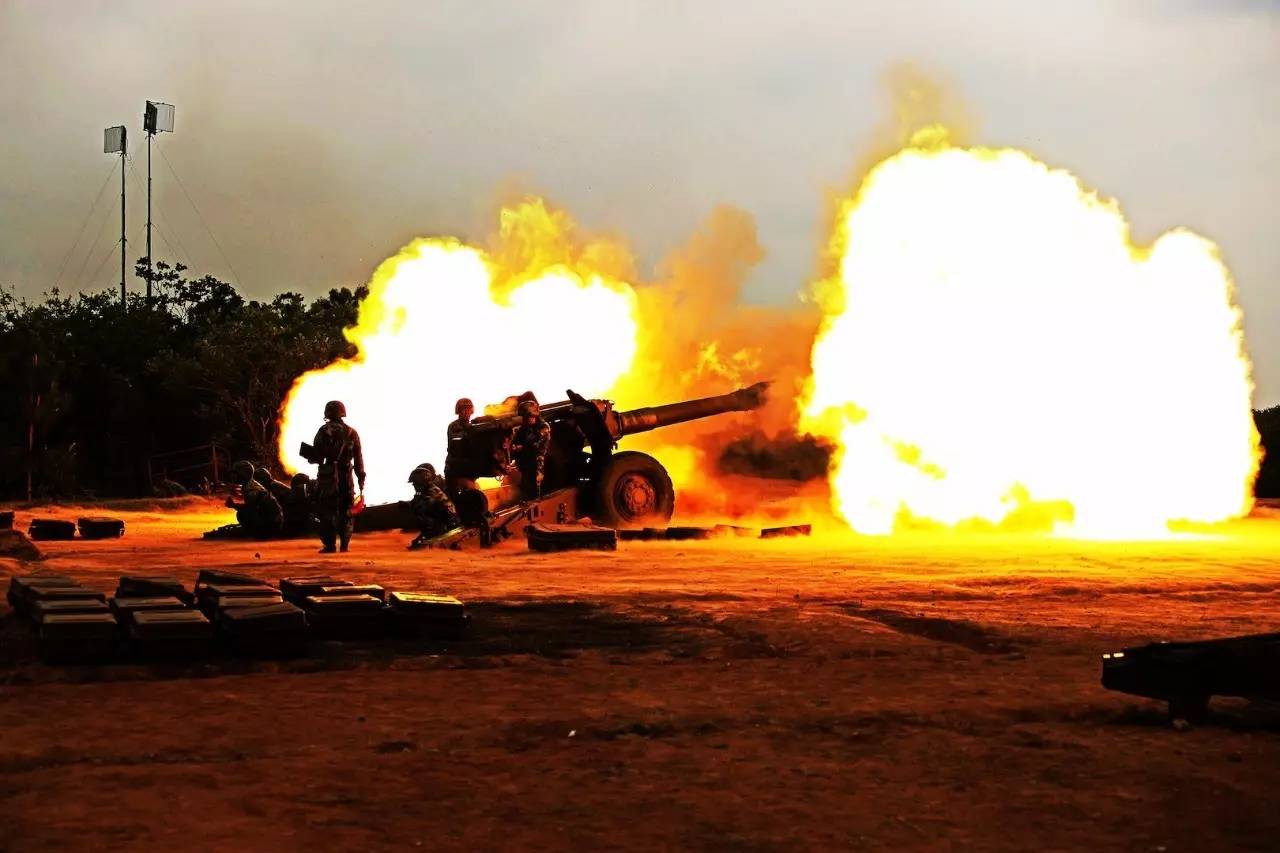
<point x="298" y="505"/>
<point x="258" y="511"/>
<point x="338" y="453"/>
<point x="458" y="475"/>
<point x="529" y="444"/>
<point x="431" y="506"/>
<point x="280" y="491"/>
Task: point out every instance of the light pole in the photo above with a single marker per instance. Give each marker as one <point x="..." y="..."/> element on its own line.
<point x="115" y="141"/>
<point x="156" y="118"/>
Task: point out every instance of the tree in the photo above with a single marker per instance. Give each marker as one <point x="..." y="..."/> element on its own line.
<point x="196" y="363"/>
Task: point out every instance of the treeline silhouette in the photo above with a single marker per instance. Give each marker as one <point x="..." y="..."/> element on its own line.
<point x="98" y="398"/>
<point x="94" y="389"/>
<point x="1268" y="482"/>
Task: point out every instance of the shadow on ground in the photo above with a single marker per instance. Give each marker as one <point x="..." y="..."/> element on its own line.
<point x="546" y="629"/>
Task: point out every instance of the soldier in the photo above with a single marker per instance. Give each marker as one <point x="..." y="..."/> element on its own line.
<point x="278" y="490"/>
<point x="457" y="465"/>
<point x="297" y="506"/>
<point x="337" y="451"/>
<point x="258" y="512"/>
<point x="529" y="444"/>
<point x="167" y="488"/>
<point x="431" y="507"/>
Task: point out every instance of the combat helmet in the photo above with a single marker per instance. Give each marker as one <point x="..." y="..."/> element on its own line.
<point x="263" y="476"/>
<point x="422" y="475"/>
<point x="334" y="409"/>
<point x="463" y="403"/>
<point x="242" y="471"/>
<point x="529" y="408"/>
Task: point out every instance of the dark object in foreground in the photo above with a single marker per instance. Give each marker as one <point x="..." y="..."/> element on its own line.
<point x="34" y="597"/>
<point x="237" y="613"/>
<point x="353" y="616"/>
<point x="423" y="614"/>
<point x="52" y="529"/>
<point x="100" y="527"/>
<point x="684" y="534"/>
<point x="218" y="576"/>
<point x="567" y="537"/>
<point x="240" y="533"/>
<point x="170" y="634"/>
<point x="125" y="607"/>
<point x="641" y="534"/>
<point x="43" y="610"/>
<point x="6" y="520"/>
<point x="792" y="530"/>
<point x="392" y="516"/>
<point x="295" y="590"/>
<point x="141" y="586"/>
<point x="1186" y="674"/>
<point x="16" y="545"/>
<point x="21" y="585"/>
<point x="79" y="637"/>
<point x="347" y="588"/>
<point x="213" y="597"/>
<point x="271" y="629"/>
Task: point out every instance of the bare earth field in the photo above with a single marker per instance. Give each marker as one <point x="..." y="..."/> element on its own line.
<point x="923" y="693"/>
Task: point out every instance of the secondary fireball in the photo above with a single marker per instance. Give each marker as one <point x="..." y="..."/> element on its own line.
<point x="997" y="351"/>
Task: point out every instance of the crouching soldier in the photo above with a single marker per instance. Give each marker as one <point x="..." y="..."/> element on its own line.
<point x="297" y="506"/>
<point x="278" y="490"/>
<point x="257" y="511"/>
<point x="432" y="509"/>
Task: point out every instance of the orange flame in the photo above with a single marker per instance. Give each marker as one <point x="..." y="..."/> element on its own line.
<point x="540" y="311"/>
<point x="996" y="351"/>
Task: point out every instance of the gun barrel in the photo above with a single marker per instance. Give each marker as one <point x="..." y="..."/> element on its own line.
<point x="653" y="417"/>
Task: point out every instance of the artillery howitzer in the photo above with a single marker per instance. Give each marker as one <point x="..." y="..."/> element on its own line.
<point x="1186" y="674"/>
<point x="583" y="475"/>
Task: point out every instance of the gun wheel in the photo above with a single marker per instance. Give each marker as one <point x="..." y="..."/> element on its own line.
<point x="634" y="491"/>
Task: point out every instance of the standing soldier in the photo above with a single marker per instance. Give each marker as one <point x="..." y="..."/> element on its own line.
<point x="529" y="444"/>
<point x="431" y="507"/>
<point x="336" y="450"/>
<point x="457" y="464"/>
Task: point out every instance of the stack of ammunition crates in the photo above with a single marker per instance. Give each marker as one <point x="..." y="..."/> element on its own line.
<point x="159" y="618"/>
<point x="73" y="622"/>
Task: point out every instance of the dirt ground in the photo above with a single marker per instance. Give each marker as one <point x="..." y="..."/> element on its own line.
<point x="923" y="693"/>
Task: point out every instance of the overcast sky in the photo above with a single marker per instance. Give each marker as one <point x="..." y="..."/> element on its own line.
<point x="316" y="138"/>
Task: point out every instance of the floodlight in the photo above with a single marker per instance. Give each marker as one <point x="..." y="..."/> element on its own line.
<point x="157" y="117"/>
<point x="114" y="140"/>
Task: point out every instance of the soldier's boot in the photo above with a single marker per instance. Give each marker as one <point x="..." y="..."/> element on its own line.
<point x="344" y="540"/>
<point x="327" y="536"/>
